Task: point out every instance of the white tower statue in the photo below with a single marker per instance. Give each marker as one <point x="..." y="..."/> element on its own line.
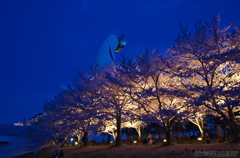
<point x="110" y="46"/>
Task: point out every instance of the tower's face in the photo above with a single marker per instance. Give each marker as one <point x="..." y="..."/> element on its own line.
<point x="121" y="44"/>
<point x="106" y="53"/>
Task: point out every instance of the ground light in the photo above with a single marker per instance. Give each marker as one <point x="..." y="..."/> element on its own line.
<point x="135" y="142"/>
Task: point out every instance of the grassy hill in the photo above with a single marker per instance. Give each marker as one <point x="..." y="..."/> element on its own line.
<point x="140" y="151"/>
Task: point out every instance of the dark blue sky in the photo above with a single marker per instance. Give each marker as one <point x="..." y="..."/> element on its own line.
<point x="44" y="42"/>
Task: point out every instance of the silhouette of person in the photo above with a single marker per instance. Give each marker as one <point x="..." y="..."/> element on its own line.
<point x="61" y="154"/>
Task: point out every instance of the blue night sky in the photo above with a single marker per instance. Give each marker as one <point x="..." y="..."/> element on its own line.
<point x="43" y="43"/>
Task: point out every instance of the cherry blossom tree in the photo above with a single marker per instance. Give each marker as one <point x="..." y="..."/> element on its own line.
<point x="52" y="128"/>
<point x="136" y="124"/>
<point x="198" y="116"/>
<point x="70" y="112"/>
<point x="208" y="63"/>
<point x="154" y="89"/>
<point x="115" y="103"/>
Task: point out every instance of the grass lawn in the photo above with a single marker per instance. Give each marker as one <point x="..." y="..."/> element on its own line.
<point x="138" y="151"/>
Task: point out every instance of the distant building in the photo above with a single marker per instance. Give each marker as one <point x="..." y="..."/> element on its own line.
<point x="13" y="138"/>
<point x="18" y="124"/>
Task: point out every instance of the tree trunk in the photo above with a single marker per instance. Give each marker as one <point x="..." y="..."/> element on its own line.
<point x="201" y="133"/>
<point x="118" y="138"/>
<point x="85" y="138"/>
<point x="233" y="127"/>
<point x="168" y="133"/>
<point x="234" y="137"/>
<point x="139" y="134"/>
<point x="108" y="139"/>
<point x="168" y="137"/>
